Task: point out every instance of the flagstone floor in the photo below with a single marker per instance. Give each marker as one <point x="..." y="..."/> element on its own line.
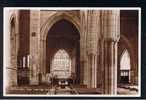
<point x="67" y="90"/>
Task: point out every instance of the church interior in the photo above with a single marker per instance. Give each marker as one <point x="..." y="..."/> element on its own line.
<point x="71" y="52"/>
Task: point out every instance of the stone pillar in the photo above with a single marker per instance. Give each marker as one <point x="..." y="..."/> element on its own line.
<point x="115" y="52"/>
<point x="93" y="34"/>
<point x="111" y="33"/>
<point x="110" y="67"/>
<point x="34" y="47"/>
<point x="13" y="58"/>
<point x="10" y="47"/>
<point x="118" y="71"/>
<point x="94" y="71"/>
<point x="89" y="49"/>
<point x="95" y="78"/>
<point x="102" y="66"/>
<point x="83" y="32"/>
<point x="42" y="60"/>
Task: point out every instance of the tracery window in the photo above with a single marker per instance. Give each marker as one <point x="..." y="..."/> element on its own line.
<point x="125" y="61"/>
<point x="125" y="67"/>
<point x="61" y="64"/>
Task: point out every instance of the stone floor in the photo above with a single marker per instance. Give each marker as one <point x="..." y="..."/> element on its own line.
<point x="67" y="90"/>
<point x="127" y="89"/>
<point x="49" y="90"/>
<point x="28" y="90"/>
<point x="124" y="91"/>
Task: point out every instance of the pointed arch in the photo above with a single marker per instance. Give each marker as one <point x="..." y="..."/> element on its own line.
<point x="46" y="55"/>
<point x="125" y="67"/>
<point x="55" y="18"/>
<point x="125" y="60"/>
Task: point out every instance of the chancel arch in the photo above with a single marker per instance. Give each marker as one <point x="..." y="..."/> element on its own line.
<point x="56" y="17"/>
<point x="44" y="32"/>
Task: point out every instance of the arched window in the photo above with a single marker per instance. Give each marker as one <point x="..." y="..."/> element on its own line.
<point x="125" y="61"/>
<point x="61" y="64"/>
<point x="125" y="67"/>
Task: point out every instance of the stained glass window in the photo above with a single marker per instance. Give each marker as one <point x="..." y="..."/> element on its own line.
<point x="61" y="64"/>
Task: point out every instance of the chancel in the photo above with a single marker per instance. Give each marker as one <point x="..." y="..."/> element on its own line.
<point x="71" y="52"/>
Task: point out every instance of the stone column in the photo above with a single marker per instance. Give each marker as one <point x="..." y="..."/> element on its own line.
<point x="10" y="47"/>
<point x="110" y="67"/>
<point x="42" y="60"/>
<point x="102" y="66"/>
<point x="82" y="21"/>
<point x="83" y="43"/>
<point x="89" y="48"/>
<point x="34" y="47"/>
<point x="95" y="78"/>
<point x="94" y="71"/>
<point x="93" y="34"/>
<point x="13" y="58"/>
<point x="111" y="33"/>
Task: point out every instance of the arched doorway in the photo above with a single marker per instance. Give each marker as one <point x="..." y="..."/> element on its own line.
<point x="63" y="37"/>
<point x="125" y="67"/>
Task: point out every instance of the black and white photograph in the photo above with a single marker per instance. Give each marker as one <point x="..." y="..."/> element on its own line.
<point x="80" y="51"/>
